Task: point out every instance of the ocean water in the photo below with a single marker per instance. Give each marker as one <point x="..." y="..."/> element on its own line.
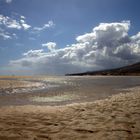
<point x="61" y="90"/>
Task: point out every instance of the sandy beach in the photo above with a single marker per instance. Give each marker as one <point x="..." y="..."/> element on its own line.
<point x="114" y="118"/>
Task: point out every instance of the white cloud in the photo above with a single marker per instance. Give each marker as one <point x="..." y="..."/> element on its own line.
<point x="6" y="35"/>
<point x="14" y="36"/>
<point x="7" y="23"/>
<point x="19" y="23"/>
<point x="50" y="45"/>
<point x="8" y="1"/>
<point x="33" y="53"/>
<point x="107" y="46"/>
<point x="13" y="23"/>
<point x="22" y="17"/>
<point x="50" y="24"/>
<point x="26" y="26"/>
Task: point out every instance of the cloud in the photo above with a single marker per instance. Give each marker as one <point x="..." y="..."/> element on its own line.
<point x="50" y="45"/>
<point x="107" y="46"/>
<point x="24" y="25"/>
<point x="6" y="35"/>
<point x="22" y="17"/>
<point x="8" y="1"/>
<point x="19" y="23"/>
<point x="7" y="23"/>
<point x="13" y="23"/>
<point x="50" y="24"/>
<point x="33" y="53"/>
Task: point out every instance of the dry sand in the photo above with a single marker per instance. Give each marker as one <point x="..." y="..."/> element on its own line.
<point x="115" y="118"/>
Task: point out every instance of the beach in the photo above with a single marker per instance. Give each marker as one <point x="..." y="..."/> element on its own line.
<point x="116" y="117"/>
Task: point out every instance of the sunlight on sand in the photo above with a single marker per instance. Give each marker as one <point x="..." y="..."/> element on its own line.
<point x="58" y="98"/>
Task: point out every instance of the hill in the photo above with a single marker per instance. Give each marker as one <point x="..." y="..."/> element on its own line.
<point x="133" y="69"/>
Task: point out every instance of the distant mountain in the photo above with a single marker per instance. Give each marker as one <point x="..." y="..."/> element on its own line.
<point x="133" y="69"/>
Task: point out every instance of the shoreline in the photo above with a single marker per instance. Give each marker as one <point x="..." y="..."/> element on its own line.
<point x="53" y="91"/>
<point x="116" y="117"/>
<point x="133" y="91"/>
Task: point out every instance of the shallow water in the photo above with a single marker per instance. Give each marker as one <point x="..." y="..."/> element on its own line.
<point x="64" y="90"/>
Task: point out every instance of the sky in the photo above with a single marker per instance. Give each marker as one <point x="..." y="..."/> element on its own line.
<point x="56" y="37"/>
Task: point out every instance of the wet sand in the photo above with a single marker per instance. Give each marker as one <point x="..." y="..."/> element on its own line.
<point x="115" y="118"/>
<point x="61" y="90"/>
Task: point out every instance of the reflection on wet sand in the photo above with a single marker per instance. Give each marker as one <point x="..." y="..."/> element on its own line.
<point x="59" y="90"/>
